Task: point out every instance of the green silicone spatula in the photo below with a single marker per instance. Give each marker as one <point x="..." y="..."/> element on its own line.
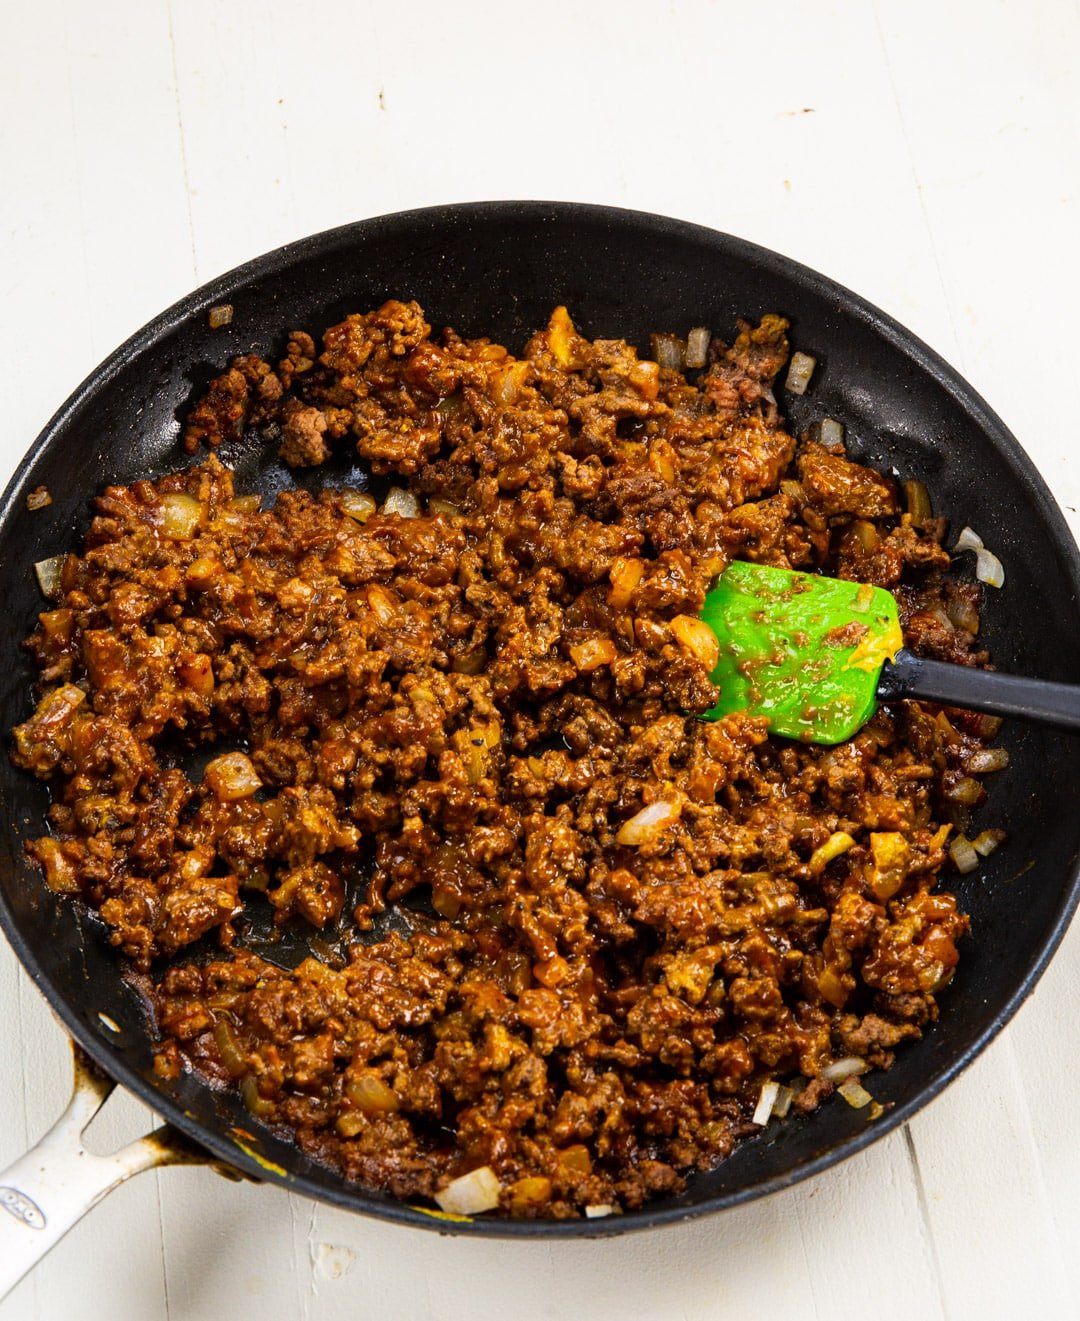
<point x="816" y="656"/>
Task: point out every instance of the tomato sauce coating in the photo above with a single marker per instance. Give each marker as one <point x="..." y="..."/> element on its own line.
<point x="613" y="921"/>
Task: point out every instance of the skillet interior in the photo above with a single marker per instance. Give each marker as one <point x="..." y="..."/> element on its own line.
<point x="497" y="269"/>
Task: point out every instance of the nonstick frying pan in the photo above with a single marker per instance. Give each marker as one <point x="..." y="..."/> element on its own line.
<point x="497" y="269"/>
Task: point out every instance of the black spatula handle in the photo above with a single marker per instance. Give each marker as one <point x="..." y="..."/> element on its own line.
<point x="1056" y="704"/>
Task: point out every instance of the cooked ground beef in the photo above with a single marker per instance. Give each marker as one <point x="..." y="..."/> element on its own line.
<point x="631" y="917"/>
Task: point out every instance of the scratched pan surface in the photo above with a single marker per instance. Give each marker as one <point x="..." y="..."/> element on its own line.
<point x="497" y="269"/>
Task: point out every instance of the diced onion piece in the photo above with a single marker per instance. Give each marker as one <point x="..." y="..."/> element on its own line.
<point x="201" y="572"/>
<point x="986" y="841"/>
<point x="599" y="1210"/>
<point x="892" y="860"/>
<point x="197" y="673"/>
<point x="531" y="1193"/>
<point x="230" y="1051"/>
<point x="919" y="508"/>
<point x="962" y="614"/>
<point x="446" y="902"/>
<point x="967" y="540"/>
<point x="472" y="662"/>
<point x="784" y="1098"/>
<point x="662" y="460"/>
<point x="220" y="316"/>
<point x="563" y="340"/>
<point x="766" y="1101"/>
<point x="833" y="987"/>
<point x="259" y="1106"/>
<point x="989" y="569"/>
<point x="946" y="726"/>
<point x="382" y="604"/>
<point x="401" y="502"/>
<point x="57" y="626"/>
<point x="964" y="857"/>
<point x="831" y="432"/>
<point x="473" y="1193"/>
<point x="48" y="575"/>
<point x="838" y="842"/>
<point x="697" y="347"/>
<point x="358" y="504"/>
<point x="446" y="507"/>
<point x="59" y="870"/>
<point x="645" y="378"/>
<point x="668" y="351"/>
<point x="473" y="743"/>
<point x="371" y="1095"/>
<point x="507" y="382"/>
<point x="180" y="514"/>
<point x="984" y="760"/>
<point x="855" y="1094"/>
<point x="850" y="1067"/>
<point x="350" y="1123"/>
<point x="232" y="777"/>
<point x="38" y="498"/>
<point x="647" y="824"/>
<point x="592" y="653"/>
<point x="698" y="639"/>
<point x="867" y="536"/>
<point x="800" y="369"/>
<point x="576" y="1158"/>
<point x="965" y="790"/>
<point x="625" y="575"/>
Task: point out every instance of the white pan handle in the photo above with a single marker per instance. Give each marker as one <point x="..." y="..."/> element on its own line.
<point x="46" y="1191"/>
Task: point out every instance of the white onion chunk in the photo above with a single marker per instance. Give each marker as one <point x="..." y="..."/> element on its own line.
<point x="401" y="502"/>
<point x="766" y="1101"/>
<point x="964" y="857"/>
<point x="647" y="824"/>
<point x="48" y="575"/>
<point x="989" y="569"/>
<point x="472" y="1194"/>
<point x="800" y="369"/>
<point x="697" y="346"/>
<point x="839" y="1070"/>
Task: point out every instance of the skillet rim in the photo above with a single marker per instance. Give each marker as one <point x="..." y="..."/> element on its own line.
<point x="927" y="362"/>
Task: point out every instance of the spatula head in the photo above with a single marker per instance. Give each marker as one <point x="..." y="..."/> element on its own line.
<point x="805" y="652"/>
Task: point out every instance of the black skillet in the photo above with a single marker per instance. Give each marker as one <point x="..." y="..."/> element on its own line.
<point x="497" y="269"/>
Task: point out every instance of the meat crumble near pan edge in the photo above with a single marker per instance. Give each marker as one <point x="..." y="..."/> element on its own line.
<point x="463" y="725"/>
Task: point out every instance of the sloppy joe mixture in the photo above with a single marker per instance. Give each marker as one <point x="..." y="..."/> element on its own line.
<point x="569" y="939"/>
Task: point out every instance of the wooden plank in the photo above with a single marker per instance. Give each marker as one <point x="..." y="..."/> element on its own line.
<point x="984" y="1196"/>
<point x="230" y="107"/>
<point x="1043" y="1043"/>
<point x="98" y="196"/>
<point x="998" y="182"/>
<point x="768" y="1258"/>
<point x="228" y="1248"/>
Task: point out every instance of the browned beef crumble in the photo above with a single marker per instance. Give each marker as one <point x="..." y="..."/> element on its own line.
<point x="473" y="704"/>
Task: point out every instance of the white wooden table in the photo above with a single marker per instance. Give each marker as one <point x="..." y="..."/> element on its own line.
<point x="922" y="152"/>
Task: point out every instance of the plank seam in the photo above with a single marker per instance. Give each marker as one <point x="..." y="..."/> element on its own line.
<point x="925" y="1225"/>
